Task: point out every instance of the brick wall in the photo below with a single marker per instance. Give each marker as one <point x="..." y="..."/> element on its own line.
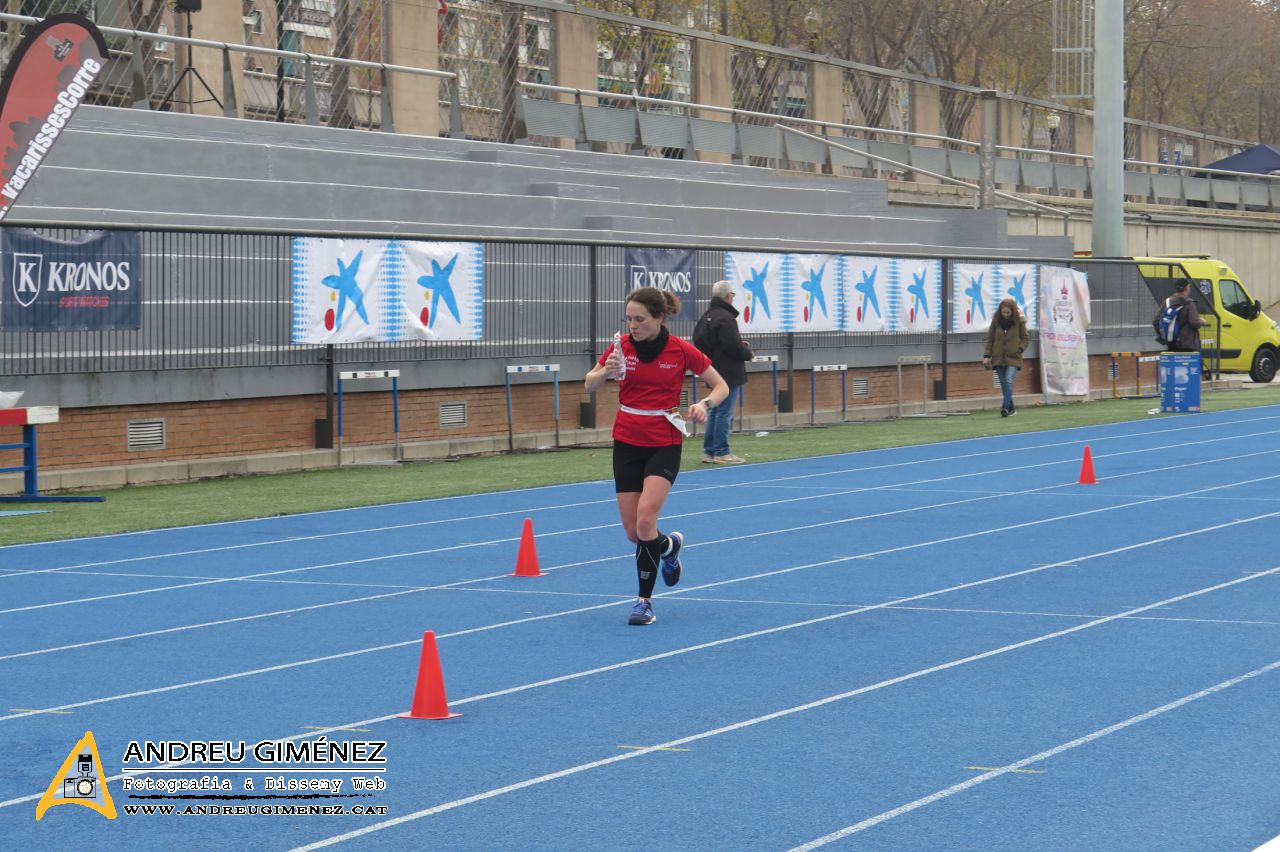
<point x="96" y="437"/>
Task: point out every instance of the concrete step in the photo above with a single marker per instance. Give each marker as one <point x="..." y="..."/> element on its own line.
<point x="594" y="192"/>
<point x="628" y="224"/>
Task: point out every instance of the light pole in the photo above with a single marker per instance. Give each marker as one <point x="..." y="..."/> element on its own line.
<point x="1053" y="121"/>
<point x="813" y="26"/>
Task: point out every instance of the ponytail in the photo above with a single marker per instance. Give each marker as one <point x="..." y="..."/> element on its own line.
<point x="656" y="302"/>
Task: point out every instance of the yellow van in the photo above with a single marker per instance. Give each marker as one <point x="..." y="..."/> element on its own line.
<point x="1238" y="332"/>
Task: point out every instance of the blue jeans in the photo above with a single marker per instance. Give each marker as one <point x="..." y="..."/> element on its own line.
<point x="716" y="441"/>
<point x="1006" y="375"/>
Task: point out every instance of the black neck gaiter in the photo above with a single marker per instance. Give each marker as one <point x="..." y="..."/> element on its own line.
<point x="647" y="350"/>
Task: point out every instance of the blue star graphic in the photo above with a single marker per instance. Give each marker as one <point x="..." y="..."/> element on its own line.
<point x="345" y="283"/>
<point x="917" y="290"/>
<point x="438" y="283"/>
<point x="868" y="289"/>
<point x="755" y="286"/>
<point x="814" y="287"/>
<point x="974" y="291"/>
<point x="1016" y="291"/>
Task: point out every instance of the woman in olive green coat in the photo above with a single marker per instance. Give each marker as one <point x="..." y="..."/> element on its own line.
<point x="1006" y="341"/>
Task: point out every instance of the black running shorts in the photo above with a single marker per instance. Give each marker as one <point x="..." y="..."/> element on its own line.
<point x="631" y="464"/>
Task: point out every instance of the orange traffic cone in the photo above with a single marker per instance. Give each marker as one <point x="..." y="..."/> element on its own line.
<point x="527" y="557"/>
<point x="1086" y="468"/>
<point x="429" y="701"/>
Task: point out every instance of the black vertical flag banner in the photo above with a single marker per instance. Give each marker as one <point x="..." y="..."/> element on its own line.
<point x="47" y="78"/>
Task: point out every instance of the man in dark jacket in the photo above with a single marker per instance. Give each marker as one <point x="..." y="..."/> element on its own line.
<point x="1189" y="320"/>
<point x="716" y="335"/>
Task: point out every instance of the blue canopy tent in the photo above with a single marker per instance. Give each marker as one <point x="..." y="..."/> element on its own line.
<point x="1259" y="160"/>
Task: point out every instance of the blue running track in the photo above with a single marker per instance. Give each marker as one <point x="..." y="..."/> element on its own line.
<point x="952" y="646"/>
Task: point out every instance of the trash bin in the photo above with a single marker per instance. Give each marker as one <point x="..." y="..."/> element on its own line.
<point x="1180" y="382"/>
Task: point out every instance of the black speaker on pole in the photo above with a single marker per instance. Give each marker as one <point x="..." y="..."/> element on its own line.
<point x="186" y="5"/>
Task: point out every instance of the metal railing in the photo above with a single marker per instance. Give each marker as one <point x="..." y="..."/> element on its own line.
<point x="301" y="96"/>
<point x="620" y="122"/>
<point x="222" y="300"/>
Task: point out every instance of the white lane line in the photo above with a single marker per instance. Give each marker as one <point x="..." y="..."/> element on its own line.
<point x="609" y="501"/>
<point x="822" y="702"/>
<point x="70" y="573"/>
<point x="970" y="611"/>
<point x="715" y="643"/>
<point x="458" y="584"/>
<point x="716" y="511"/>
<point x="461" y="583"/>
<point x="1035" y="758"/>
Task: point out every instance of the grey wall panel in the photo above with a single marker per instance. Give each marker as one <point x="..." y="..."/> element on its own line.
<point x="552" y="118"/>
<point x="803" y="150"/>
<point x="1167" y="186"/>
<point x="760" y="141"/>
<point x="1037" y="174"/>
<point x="1071" y="177"/>
<point x="1225" y="191"/>
<point x="1137" y="183"/>
<point x="605" y="124"/>
<point x="964" y="165"/>
<point x="933" y="159"/>
<point x="1197" y="189"/>
<point x="1254" y="194"/>
<point x="895" y="151"/>
<point x="711" y="135"/>
<point x="664" y="131"/>
<point x="848" y="159"/>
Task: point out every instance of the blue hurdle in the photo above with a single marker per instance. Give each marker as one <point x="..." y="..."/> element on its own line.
<point x="28" y="419"/>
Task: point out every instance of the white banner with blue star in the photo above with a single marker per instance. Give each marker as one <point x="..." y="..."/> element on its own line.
<point x="915" y="294"/>
<point x="337" y="293"/>
<point x="1020" y="282"/>
<point x="763" y="301"/>
<point x="974" y="296"/>
<point x="979" y="288"/>
<point x="443" y="291"/>
<point x="352" y="291"/>
<point x="815" y="288"/>
<point x="865" y="288"/>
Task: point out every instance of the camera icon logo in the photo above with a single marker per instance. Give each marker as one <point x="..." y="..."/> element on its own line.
<point x="83" y="785"/>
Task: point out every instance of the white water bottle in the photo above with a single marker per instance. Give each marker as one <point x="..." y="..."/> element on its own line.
<point x="621" y="372"/>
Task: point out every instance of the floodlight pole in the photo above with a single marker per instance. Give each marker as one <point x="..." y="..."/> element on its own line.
<point x="1108" y="130"/>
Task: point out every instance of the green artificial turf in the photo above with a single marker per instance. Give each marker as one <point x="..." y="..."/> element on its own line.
<point x="156" y="506"/>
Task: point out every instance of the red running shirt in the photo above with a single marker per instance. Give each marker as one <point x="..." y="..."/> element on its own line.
<point x="653" y="386"/>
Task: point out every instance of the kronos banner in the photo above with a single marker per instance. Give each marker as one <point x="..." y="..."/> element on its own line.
<point x="93" y="283"/>
<point x="47" y="78"/>
<point x="673" y="270"/>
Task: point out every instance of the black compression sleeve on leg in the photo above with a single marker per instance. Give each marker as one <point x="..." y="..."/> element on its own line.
<point x="648" y="560"/>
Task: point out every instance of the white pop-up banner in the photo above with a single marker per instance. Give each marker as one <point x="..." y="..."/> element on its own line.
<point x="1064" y="318"/>
<point x="865" y="290"/>
<point x="815" y="283"/>
<point x="351" y="291"/>
<point x="763" y="298"/>
<point x="979" y="288"/>
<point x="916" y="294"/>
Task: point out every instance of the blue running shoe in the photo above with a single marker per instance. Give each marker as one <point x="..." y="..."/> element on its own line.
<point x="671" y="562"/>
<point x="642" y="613"/>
